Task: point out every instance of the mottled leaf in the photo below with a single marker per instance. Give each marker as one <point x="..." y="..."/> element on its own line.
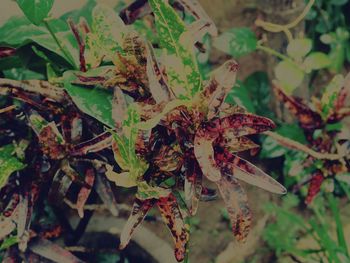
<point x="171" y="28"/>
<point x="172" y="216"/>
<point x="9" y="163"/>
<point x="84" y="192"/>
<point x="249" y="173"/>
<point x="308" y="118"/>
<point x="52" y="251"/>
<point x="138" y="213"/>
<point x="237" y="206"/>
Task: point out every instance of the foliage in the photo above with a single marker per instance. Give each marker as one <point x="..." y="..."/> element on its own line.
<point x="309" y="239"/>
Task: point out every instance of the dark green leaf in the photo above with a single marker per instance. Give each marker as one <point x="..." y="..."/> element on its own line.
<point x="239" y="95"/>
<point x="94" y="101"/>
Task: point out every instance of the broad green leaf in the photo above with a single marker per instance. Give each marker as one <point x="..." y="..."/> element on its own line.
<point x="239" y="95"/>
<point x="95" y="102"/>
<point x="315" y="61"/>
<point x="22" y="74"/>
<point x="299" y="48"/>
<point x="18" y="31"/>
<point x="177" y="41"/>
<point x="237" y="42"/>
<point x="289" y="75"/>
<point x="9" y="163"/>
<point x="67" y="40"/>
<point x="35" y="10"/>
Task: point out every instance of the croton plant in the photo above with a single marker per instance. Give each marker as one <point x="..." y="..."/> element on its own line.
<point x="156" y="124"/>
<point x="320" y="121"/>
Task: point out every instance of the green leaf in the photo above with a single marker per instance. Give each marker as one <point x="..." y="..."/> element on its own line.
<point x="258" y="86"/>
<point x="18" y="30"/>
<point x="237" y="42"/>
<point x="8" y="163"/>
<point x="315" y="61"/>
<point x="239" y="95"/>
<point x="299" y="48"/>
<point x="289" y="75"/>
<point x="106" y="38"/>
<point x="182" y="67"/>
<point x="95" y="102"/>
<point x="35" y="10"/>
<point x="338" y="2"/>
<point x="22" y="74"/>
<point x="8" y="242"/>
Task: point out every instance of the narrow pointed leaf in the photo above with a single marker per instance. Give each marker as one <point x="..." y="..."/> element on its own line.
<point x="249" y="173"/>
<point x="237" y="206"/>
<point x="171" y="214"/>
<point x="52" y="251"/>
<point x="138" y="213"/>
<point x="84" y="192"/>
<point x="221" y="82"/>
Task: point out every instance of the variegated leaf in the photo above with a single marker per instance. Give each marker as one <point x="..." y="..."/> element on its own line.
<point x="247" y="172"/>
<point x="138" y="213"/>
<point x="307" y="118"/>
<point x="172" y="216"/>
<point x="237" y="206"/>
<point x="170" y="27"/>
<point x="84" y="192"/>
<point x="221" y="82"/>
<point x="52" y="251"/>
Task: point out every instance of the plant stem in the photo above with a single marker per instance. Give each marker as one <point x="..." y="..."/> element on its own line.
<point x="60" y="46"/>
<point x="294" y="145"/>
<point x="275" y="28"/>
<point x="277" y="54"/>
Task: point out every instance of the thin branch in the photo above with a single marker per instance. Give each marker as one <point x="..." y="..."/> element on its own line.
<point x="291" y="144"/>
<point x="6" y="109"/>
<point x="275" y="28"/>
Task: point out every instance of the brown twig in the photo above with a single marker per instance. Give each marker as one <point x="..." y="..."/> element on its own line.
<point x="291" y="144"/>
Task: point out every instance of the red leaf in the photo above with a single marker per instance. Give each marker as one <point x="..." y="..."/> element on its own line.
<point x="171" y="214"/>
<point x="314" y="187"/>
